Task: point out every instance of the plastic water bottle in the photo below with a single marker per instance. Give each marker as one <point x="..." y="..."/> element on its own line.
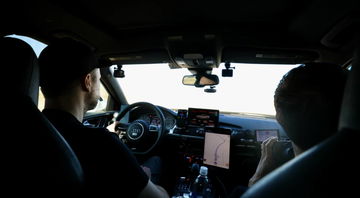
<point x="200" y="187"/>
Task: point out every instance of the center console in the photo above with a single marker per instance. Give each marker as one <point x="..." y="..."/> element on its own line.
<point x="200" y="140"/>
<point x="208" y="146"/>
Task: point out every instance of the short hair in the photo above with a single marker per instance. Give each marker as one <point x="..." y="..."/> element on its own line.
<point x="309" y="99"/>
<point x="62" y="63"/>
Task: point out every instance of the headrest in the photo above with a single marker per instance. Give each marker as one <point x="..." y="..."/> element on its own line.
<point x="20" y="68"/>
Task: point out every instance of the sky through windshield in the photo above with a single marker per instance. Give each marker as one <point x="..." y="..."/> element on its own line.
<point x="250" y="90"/>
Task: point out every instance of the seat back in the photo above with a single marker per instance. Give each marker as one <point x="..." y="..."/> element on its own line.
<point x="35" y="158"/>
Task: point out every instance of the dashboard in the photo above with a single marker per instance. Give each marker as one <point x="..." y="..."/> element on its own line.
<point x="194" y="122"/>
<point x="153" y="119"/>
<point x="187" y="128"/>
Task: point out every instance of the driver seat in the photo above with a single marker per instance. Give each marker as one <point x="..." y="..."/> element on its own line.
<point x="35" y="157"/>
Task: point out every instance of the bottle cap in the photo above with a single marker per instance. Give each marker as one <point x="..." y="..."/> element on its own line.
<point x="203" y="170"/>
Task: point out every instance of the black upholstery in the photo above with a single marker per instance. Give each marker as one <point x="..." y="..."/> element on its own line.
<point x="20" y="68"/>
<point x="329" y="169"/>
<point x="35" y="159"/>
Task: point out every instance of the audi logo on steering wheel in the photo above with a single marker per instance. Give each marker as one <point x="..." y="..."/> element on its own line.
<point x="135" y="131"/>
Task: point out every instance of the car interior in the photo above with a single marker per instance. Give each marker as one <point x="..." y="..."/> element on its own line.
<point x="171" y="80"/>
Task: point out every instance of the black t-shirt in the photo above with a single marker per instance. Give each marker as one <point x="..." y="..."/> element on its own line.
<point x="107" y="163"/>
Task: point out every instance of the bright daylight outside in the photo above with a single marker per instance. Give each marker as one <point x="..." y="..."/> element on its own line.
<point x="250" y="90"/>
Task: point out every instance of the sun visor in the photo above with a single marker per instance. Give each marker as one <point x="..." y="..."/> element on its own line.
<point x="268" y="56"/>
<point x="140" y="57"/>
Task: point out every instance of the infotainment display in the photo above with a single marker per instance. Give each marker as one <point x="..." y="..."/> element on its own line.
<point x="203" y="117"/>
<point x="263" y="134"/>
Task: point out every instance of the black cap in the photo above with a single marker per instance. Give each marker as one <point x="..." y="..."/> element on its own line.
<point x="64" y="61"/>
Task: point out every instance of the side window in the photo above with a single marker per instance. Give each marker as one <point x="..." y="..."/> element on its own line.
<point x="41" y="101"/>
<point x="36" y="45"/>
<point x="102" y="104"/>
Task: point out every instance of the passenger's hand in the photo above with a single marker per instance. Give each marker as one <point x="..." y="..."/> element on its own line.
<point x="267" y="161"/>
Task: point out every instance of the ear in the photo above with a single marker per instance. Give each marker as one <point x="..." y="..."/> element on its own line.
<point x="86" y="82"/>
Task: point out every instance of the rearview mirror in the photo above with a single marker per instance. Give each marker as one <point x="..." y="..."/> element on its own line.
<point x="200" y="80"/>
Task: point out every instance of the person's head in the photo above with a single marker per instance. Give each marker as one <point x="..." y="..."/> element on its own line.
<point x="308" y="101"/>
<point x="68" y="66"/>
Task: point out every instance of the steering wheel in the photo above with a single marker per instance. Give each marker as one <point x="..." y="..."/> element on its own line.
<point x="139" y="134"/>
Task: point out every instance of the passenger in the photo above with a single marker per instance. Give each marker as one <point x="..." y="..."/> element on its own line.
<point x="70" y="82"/>
<point x="307" y="103"/>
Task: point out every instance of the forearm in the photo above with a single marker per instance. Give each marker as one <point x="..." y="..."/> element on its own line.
<point x="260" y="172"/>
<point x="163" y="191"/>
<point x="153" y="191"/>
<point x="253" y="180"/>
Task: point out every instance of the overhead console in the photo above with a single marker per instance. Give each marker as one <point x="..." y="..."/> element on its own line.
<point x="194" y="51"/>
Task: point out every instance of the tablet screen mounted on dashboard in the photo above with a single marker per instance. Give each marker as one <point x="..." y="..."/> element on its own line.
<point x="217" y="150"/>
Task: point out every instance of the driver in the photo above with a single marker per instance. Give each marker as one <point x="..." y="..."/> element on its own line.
<point x="70" y="81"/>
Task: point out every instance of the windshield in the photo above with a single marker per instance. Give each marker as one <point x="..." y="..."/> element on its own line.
<point x="250" y="90"/>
